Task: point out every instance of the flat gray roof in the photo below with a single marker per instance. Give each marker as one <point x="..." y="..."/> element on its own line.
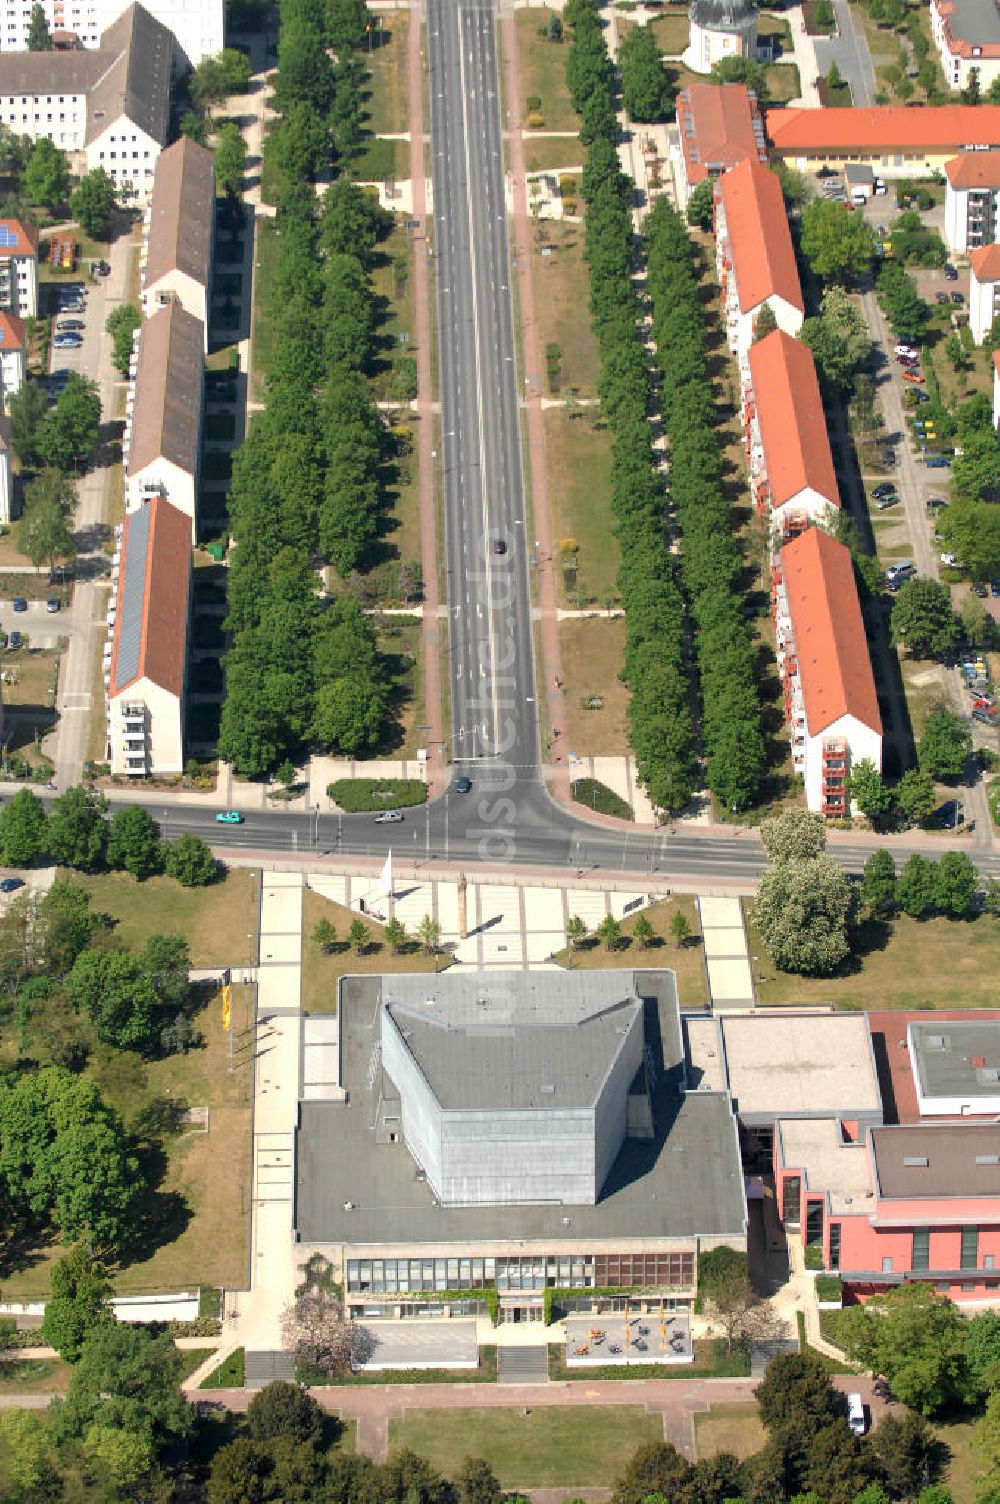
<point x="915" y="1160"/>
<point x="800" y="1065"/>
<point x="974" y="21"/>
<point x="686" y="1181"/>
<point x="514" y="1040"/>
<point x="956" y="1058"/>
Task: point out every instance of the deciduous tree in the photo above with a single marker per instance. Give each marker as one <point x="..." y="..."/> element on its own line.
<point x="805" y="911"/>
<point x="793" y="835"/>
<point x="878" y="884"/>
<point x="916" y="1338"/>
<point x="79" y="1296"/>
<point x="134" y="842"/>
<point x="946" y="745"/>
<point x="92" y="203"/>
<point x="923" y="618"/>
<point x="22" y="829"/>
<point x="189" y="859"/>
<point x="46" y="175"/>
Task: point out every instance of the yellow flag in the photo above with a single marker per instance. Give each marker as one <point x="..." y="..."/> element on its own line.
<point x="227" y="1007"/>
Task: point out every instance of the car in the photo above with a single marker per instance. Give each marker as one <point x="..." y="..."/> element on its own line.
<point x="995" y="588"/>
<point x="388" y="817"/>
<point x="958" y="299"/>
<point x="950" y="815"/>
<point x="463" y="785"/>
<point x="11" y="884"/>
<point x="980" y="588"/>
<point x="889" y="459"/>
<point x="941" y="297"/>
<point x="937" y="461"/>
<point x="905" y="350"/>
<point x="887" y="488"/>
<point x="935" y="503"/>
<point x="53" y="604"/>
<point x="70" y="326"/>
<point x="499" y="546"/>
<point x="949" y="560"/>
<point x="912" y="376"/>
<point x="919" y="395"/>
<point x="896" y="574"/>
<point x="950" y="272"/>
<point x="908" y="362"/>
<point x="16" y="641"/>
<point x="20" y="604"/>
<point x="984" y="717"/>
<point x="982" y="702"/>
<point x="67" y="342"/>
<point x="856" y="1414"/>
<point x="102" y="268"/>
<point x="229" y="817"/>
<point x="885" y="502"/>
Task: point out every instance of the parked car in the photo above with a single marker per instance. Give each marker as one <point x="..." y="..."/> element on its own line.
<point x="896" y="574"/>
<point x="982" y="701"/>
<point x="919" y="395"/>
<point x="20" y="604"/>
<point x="886" y="488"/>
<point x="388" y="817"/>
<point x="906" y="350"/>
<point x="67" y="342"/>
<point x="229" y="817"/>
<point x="70" y="326"/>
<point x="937" y="461"/>
<point x="980" y="588"/>
<point x="950" y="815"/>
<point x="912" y="376"/>
<point x="995" y="588"/>
<point x="856" y="1414"/>
<point x="16" y="641"/>
<point x="463" y="785"/>
<point x="950" y="272"/>
<point x="889" y="458"/>
<point x="935" y="503"/>
<point x="11" y="884"/>
<point x="885" y="502"/>
<point x="53" y="604"/>
<point x="102" y="268"/>
<point x="949" y="560"/>
<point x="958" y="299"/>
<point x="985" y="717"/>
<point x="941" y="297"/>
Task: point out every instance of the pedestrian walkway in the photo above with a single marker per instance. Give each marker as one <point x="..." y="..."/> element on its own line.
<point x="523" y="1365"/>
<point x="730" y="981"/>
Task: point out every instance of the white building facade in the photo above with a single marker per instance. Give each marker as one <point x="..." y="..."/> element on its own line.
<point x="720" y="29"/>
<point x="18" y="268"/>
<point x="967" y="37"/>
<point x="754" y="255"/>
<point x="971" y="198"/>
<point x="161" y="447"/>
<point x="984" y="290"/>
<point x="198" y="26"/>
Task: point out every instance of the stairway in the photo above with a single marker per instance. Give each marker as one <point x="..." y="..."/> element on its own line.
<point x="522" y="1365"/>
<point x="261" y="1369"/>
<point x="761" y="1353"/>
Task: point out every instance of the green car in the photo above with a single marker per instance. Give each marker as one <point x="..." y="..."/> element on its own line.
<point x="229" y="817"/>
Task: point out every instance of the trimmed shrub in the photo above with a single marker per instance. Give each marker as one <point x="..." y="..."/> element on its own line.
<point x="358" y="796"/>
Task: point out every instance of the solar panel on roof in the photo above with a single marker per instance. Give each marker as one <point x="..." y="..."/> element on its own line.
<point x="133" y="595"/>
<point x="8" y="237"/>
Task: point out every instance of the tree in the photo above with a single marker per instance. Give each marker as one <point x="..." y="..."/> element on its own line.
<point x="977" y="623"/>
<point x="347" y="22"/>
<point x="724" y="1283"/>
<point x="642" y="931"/>
<point x="987" y="1442"/>
<point x="429" y="934"/>
<point x="945" y="747"/>
<point x="39" y="36"/>
<point x="195" y="127"/>
<point x="325" y="936"/>
<point x="834" y="77"/>
<point x="216" y="78"/>
<point x="906" y="1450"/>
<point x="737" y="69"/>
<point x="46" y="175"/>
<point x="230" y="159"/>
<point x="71" y="429"/>
<point x="804" y="911"/>
<point x="65" y="925"/>
<point x="916" y="888"/>
<point x="130" y="1381"/>
<point x="115" y="992"/>
<point x="878" y="884"/>
<point x="838" y="245"/>
<point x="121" y="324"/>
<point x="29" y="1458"/>
<point x="79" y="1295"/>
<point x="134" y="842"/>
<point x="915" y="1338"/>
<point x="576" y="932"/>
<point x="45" y="531"/>
<point x="315" y="1328"/>
<point x="796" y="1385"/>
<point x="915" y="797"/>
<point x="27" y="409"/>
<point x="793" y="835"/>
<point x="358" y="935"/>
<point x="680" y="929"/>
<point x="982" y="1350"/>
<point x="93" y="203"/>
<point x="701" y="205"/>
<point x="283" y="1409"/>
<point x="654" y="1469"/>
<point x="125" y="1457"/>
<point x="78" y="831"/>
<point x="166" y="961"/>
<point x="923" y="618"/>
<point x="647" y="91"/>
<point x="901" y="303"/>
<point x="839" y="340"/>
<point x="764" y="324"/>
<point x="867" y="790"/>
<point x="956" y="882"/>
<point x="189" y="859"/>
<point x="350" y="715"/>
<point x="609" y="932"/>
<point x="22" y="829"/>
<point x="395" y="934"/>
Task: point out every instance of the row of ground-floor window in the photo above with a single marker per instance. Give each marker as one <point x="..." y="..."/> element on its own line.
<point x="673" y="1270"/>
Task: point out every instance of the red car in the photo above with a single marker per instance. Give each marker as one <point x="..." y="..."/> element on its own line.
<point x="912" y="376"/>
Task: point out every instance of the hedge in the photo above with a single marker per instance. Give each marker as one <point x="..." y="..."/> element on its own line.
<point x="597" y="796"/>
<point x="358" y="796"/>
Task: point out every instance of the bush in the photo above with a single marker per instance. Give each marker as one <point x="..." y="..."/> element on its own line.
<point x="813" y="1257"/>
<point x="597" y="796"/>
<point x="357" y="796"/>
<point x="828" y="1288"/>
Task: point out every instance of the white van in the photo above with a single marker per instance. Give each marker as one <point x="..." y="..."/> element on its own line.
<point x="856" y="1414"/>
<point x="859" y="196"/>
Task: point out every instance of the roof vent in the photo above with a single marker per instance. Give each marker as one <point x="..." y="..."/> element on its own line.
<point x="988" y="1159"/>
<point x="915" y="1161"/>
<point x="991" y="1073"/>
<point x="936" y="1041"/>
<point x="547" y="1089"/>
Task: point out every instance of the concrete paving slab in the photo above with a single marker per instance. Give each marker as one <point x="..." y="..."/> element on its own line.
<point x="543" y="908"/>
<point x="730" y="978"/>
<point x="281" y="949"/>
<point x="720" y="913"/>
<point x="725" y="942"/>
<point x="423" y="1344"/>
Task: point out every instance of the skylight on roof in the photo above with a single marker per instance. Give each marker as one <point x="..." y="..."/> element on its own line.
<point x="8" y="237"/>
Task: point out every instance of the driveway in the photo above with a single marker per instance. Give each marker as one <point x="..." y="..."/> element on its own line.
<point x="849" y="50"/>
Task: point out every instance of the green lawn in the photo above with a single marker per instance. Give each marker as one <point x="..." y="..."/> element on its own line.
<point x="562" y="291"/>
<point x="389" y="101"/>
<point x="219" y="922"/>
<point x="379" y="160"/>
<point x="543" y="1448"/>
<point x="782" y="81"/>
<point x="320" y="972"/>
<point x="592" y="653"/>
<point x="228" y="1375"/>
<point x="34" y="1375"/>
<point x="672" y="32"/>
<point x="964" y="1474"/>
<point x="578" y="461"/>
<point x="910" y="963"/>
<point x="543" y="73"/>
<point x="687" y="961"/>
<point x="266" y="251"/>
<point x="729" y="1428"/>
<point x="553" y="154"/>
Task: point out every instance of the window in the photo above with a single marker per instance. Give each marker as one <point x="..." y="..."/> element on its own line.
<point x="988" y="1261"/>
<point x="887" y="1265"/>
<point x="921" y="1248"/>
<point x="970" y="1248"/>
<point x="834" y="1245"/>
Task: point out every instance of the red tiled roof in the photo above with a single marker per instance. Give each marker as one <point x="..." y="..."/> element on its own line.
<point x="25" y="241"/>
<point x="883" y="129"/>
<point x="759" y="241"/>
<point x="164" y="613"/>
<point x="974" y="169"/>
<point x="985" y="263"/>
<point x="11" y="331"/>
<point x="716" y="124"/>
<point x="831" y="648"/>
<point x="792" y="423"/>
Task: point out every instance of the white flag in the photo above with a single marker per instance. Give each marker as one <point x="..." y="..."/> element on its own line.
<point x="385" y="881"/>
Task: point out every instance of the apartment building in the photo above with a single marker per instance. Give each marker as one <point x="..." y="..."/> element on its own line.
<point x="12" y="353"/>
<point x="895" y="141"/>
<point x="108" y="108"/>
<point x="163" y="412"/>
<point x="972" y="186"/>
<point x="19" y="268"/>
<point x="146" y="657"/>
<point x="176" y="259"/>
<point x="792" y="478"/>
<point x="754" y="254"/>
<point x="967" y="36"/>
<point x="198" y="26"/>
<point x="719" y="126"/>
<point x="829" y="689"/>
<point x="984" y="290"/>
<point x="6" y="473"/>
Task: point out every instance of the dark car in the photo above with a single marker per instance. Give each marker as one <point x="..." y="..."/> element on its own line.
<point x="937" y="462"/>
<point x="958" y="299"/>
<point x="20" y="604"/>
<point x="935" y="503"/>
<point x="980" y="588"/>
<point x="463" y="785"/>
<point x="995" y="588"/>
<point x="889" y="458"/>
<point x="920" y="396"/>
<point x="941" y="297"/>
<point x="499" y="546"/>
<point x="984" y="717"/>
<point x="11" y="884"/>
<point x="884" y="490"/>
<point x="102" y="268"/>
<point x="950" y="272"/>
<point x="950" y="815"/>
<point x="16" y="640"/>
